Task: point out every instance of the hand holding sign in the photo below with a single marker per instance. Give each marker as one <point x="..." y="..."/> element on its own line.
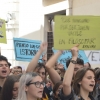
<point x="74" y="51"/>
<point x="43" y="46"/>
<point x="68" y="55"/>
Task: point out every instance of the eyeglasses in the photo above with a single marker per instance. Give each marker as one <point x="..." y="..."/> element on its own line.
<point x="37" y="84"/>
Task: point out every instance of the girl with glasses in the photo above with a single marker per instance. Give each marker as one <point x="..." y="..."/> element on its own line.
<point x="31" y="87"/>
<point x="39" y="68"/>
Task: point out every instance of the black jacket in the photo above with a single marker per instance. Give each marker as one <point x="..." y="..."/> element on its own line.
<point x="72" y="96"/>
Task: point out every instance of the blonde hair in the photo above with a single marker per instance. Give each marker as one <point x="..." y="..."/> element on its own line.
<point x="24" y="80"/>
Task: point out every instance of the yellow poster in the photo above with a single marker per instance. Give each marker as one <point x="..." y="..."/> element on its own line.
<point x="2" y="31"/>
<point x="72" y="30"/>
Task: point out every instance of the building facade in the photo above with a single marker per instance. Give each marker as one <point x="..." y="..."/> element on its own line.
<point x="33" y="20"/>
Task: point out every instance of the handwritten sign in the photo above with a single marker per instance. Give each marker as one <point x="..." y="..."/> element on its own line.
<point x="67" y="55"/>
<point x="93" y="56"/>
<point x="2" y="31"/>
<point x="71" y="30"/>
<point x="25" y="49"/>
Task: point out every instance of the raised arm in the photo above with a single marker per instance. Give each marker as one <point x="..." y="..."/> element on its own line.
<point x="55" y="77"/>
<point x="69" y="72"/>
<point x="34" y="61"/>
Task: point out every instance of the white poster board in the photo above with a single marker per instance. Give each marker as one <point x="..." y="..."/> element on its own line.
<point x="93" y="56"/>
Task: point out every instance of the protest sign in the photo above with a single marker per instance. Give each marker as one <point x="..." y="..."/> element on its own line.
<point x="93" y="56"/>
<point x="25" y="49"/>
<point x="71" y="30"/>
<point x="66" y="55"/>
<point x="2" y="31"/>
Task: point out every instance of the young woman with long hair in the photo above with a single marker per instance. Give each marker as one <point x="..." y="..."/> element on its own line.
<point x="83" y="83"/>
<point x="31" y="87"/>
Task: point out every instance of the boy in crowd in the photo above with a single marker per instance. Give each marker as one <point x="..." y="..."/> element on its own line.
<point x="4" y="71"/>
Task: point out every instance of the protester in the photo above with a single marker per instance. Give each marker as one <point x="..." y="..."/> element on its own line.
<point x="35" y="66"/>
<point x="19" y="70"/>
<point x="55" y="77"/>
<point x="10" y="88"/>
<point x="4" y="71"/>
<point x="83" y="84"/>
<point x="48" y="88"/>
<point x="31" y="87"/>
<point x="39" y="68"/>
<point x="56" y="90"/>
<point x="97" y="78"/>
<point x="16" y="70"/>
<point x="48" y="80"/>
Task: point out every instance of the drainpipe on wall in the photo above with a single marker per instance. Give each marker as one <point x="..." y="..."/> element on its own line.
<point x="69" y="10"/>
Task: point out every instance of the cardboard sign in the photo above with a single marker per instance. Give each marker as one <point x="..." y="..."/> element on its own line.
<point x="25" y="49"/>
<point x="93" y="56"/>
<point x="71" y="30"/>
<point x="67" y="55"/>
<point x="2" y="31"/>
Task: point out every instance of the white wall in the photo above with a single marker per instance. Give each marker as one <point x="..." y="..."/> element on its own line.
<point x="30" y="19"/>
<point x="88" y="7"/>
<point x="10" y="6"/>
<point x="50" y="2"/>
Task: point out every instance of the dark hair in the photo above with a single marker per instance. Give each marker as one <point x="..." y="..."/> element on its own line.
<point x="39" y="66"/>
<point x="96" y="68"/>
<point x="89" y="64"/>
<point x="78" y="77"/>
<point x="19" y="67"/>
<point x="3" y="58"/>
<point x="97" y="74"/>
<point x="9" y="64"/>
<point x="79" y="61"/>
<point x="56" y="86"/>
<point x="8" y="86"/>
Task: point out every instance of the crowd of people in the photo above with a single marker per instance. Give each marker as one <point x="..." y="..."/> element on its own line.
<point x="49" y="80"/>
